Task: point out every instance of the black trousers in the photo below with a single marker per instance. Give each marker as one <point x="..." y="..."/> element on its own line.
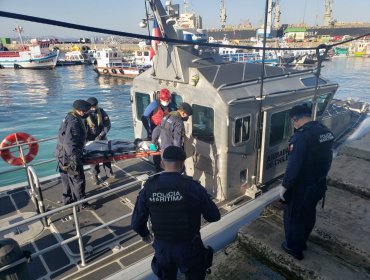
<point x="95" y="168"/>
<point x="300" y="217"/>
<point x="74" y="184"/>
<point x="169" y="257"/>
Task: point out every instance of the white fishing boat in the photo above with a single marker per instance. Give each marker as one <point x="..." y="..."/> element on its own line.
<point x="37" y="55"/>
<point x="110" y="62"/>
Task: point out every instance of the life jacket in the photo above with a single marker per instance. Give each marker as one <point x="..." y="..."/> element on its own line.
<point x="99" y="118"/>
<point x="158" y="114"/>
<point x="169" y="210"/>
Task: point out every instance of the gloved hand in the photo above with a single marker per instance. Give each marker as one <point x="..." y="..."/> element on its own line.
<point x="100" y="136"/>
<point x="282" y="192"/>
<point x="148" y="239"/>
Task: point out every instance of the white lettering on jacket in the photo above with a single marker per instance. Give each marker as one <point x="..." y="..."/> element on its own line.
<point x="166" y="197"/>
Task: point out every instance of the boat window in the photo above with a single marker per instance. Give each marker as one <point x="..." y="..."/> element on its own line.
<point x="241" y="130"/>
<point x="280" y="128"/>
<point x="107" y="55"/>
<point x="311" y="81"/>
<point x="322" y="102"/>
<point x="146" y="53"/>
<point x="177" y="99"/>
<point x="203" y="120"/>
<point x="142" y="100"/>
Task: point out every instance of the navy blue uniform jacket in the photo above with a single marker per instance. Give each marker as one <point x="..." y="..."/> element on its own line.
<point x="200" y="203"/>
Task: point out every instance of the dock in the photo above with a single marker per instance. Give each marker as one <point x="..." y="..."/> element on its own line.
<point x="338" y="247"/>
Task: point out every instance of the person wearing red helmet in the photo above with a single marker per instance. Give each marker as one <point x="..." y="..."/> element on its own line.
<point x="156" y="110"/>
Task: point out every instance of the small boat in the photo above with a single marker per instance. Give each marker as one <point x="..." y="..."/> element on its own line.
<point x="37" y="55"/>
<point x="110" y="62"/>
<point x="71" y="58"/>
<point x="340" y="52"/>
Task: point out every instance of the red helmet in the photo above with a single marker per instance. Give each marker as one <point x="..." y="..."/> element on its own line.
<point x="164" y="94"/>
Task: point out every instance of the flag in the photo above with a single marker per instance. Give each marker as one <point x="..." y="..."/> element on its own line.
<point x="154" y="43"/>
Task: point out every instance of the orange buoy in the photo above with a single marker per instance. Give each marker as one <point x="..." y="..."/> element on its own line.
<point x="15" y="139"/>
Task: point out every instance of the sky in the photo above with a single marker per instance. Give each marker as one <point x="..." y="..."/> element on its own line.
<point x="125" y="15"/>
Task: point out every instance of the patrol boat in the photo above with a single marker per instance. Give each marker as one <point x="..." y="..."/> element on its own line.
<point x="236" y="146"/>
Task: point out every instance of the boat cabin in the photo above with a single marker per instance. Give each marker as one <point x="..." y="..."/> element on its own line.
<point x="237" y="139"/>
<point x="109" y="58"/>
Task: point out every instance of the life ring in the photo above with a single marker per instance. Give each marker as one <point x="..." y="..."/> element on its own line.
<point x="18" y="138"/>
<point x="85" y="49"/>
<point x="114" y="71"/>
<point x="105" y="71"/>
<point x="121" y="71"/>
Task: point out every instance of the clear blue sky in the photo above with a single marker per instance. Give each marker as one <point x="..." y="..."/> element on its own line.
<point x="124" y="15"/>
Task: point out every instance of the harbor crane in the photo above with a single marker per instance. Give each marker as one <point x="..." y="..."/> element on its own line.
<point x="328" y="19"/>
<point x="223" y="15"/>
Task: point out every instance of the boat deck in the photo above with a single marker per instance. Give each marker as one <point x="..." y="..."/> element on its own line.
<point x="107" y="250"/>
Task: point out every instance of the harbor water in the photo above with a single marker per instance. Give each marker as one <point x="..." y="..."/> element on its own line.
<point x="36" y="101"/>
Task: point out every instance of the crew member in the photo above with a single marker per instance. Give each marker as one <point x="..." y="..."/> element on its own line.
<point x="69" y="152"/>
<point x="175" y="204"/>
<point x="98" y="126"/>
<point x="304" y="184"/>
<point x="171" y="132"/>
<point x="156" y="110"/>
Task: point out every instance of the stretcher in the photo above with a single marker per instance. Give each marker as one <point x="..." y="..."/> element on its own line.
<point x="115" y="150"/>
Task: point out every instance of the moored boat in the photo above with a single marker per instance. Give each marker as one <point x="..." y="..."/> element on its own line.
<point x="71" y="58"/>
<point x="36" y="55"/>
<point x="110" y="62"/>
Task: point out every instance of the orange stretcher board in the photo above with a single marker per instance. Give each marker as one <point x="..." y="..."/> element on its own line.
<point x="118" y="157"/>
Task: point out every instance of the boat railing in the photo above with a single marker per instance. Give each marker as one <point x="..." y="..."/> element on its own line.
<point x="75" y="206"/>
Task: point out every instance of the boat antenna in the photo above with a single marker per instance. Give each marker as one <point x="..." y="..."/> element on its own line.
<point x="19" y="30"/>
<point x="259" y="119"/>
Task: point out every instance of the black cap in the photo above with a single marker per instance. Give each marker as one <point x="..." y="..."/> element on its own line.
<point x="173" y="153"/>
<point x="299" y="111"/>
<point x="93" y="101"/>
<point x="186" y="108"/>
<point x="81" y="105"/>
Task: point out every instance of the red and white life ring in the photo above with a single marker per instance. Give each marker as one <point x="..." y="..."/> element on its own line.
<point x="15" y="139"/>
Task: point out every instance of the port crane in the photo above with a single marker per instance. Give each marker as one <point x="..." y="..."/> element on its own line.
<point x="223" y="15"/>
<point x="328" y="19"/>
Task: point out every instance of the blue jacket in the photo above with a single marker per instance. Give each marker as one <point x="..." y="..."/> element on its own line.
<point x="200" y="203"/>
<point x="71" y="139"/>
<point x="171" y="132"/>
<point x="310" y="156"/>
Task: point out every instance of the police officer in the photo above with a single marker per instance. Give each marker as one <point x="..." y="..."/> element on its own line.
<point x="70" y="144"/>
<point x="171" y="132"/>
<point x="304" y="184"/>
<point x="175" y="204"/>
<point x="98" y="126"/>
<point x="156" y="110"/>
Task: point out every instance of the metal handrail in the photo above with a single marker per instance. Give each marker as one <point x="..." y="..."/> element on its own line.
<point x="28" y="143"/>
<point x="78" y="235"/>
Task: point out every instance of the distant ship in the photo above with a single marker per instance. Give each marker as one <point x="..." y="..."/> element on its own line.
<point x="243" y="32"/>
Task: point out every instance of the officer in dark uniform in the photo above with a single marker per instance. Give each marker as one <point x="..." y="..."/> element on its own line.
<point x="171" y="132"/>
<point x="98" y="126"/>
<point x="70" y="144"/>
<point x="175" y="204"/>
<point x="304" y="184"/>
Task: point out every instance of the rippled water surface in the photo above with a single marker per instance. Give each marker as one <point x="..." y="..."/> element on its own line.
<point x="36" y="101"/>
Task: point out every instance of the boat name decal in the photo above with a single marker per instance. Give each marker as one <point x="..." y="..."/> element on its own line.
<point x="277" y="158"/>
